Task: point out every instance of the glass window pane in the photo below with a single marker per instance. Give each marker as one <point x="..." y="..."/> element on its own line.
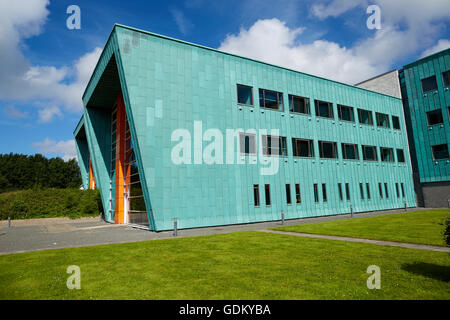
<point x="244" y="94"/>
<point x="429" y="84"/>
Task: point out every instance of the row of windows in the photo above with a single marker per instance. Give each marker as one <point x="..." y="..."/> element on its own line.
<point x="274" y="145"/>
<point x="430" y="83"/>
<point x="364" y="192"/>
<point x="273" y="100"/>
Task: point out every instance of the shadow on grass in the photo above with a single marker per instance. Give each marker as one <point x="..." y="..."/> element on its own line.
<point x="430" y="270"/>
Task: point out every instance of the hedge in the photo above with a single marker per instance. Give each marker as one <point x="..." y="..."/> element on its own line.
<point x="46" y="203"/>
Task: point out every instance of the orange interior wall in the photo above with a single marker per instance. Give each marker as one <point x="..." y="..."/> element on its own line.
<point x="120" y="161"/>
<point x="91" y="177"/>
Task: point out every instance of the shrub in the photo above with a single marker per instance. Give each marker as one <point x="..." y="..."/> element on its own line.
<point x="447" y="232"/>
<point x="42" y="203"/>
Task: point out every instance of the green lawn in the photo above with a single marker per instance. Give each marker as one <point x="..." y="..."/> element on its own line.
<point x="423" y="227"/>
<point x="243" y="265"/>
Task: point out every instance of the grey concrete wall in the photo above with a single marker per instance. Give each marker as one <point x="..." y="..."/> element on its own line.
<point x="436" y="194"/>
<point x="387" y="83"/>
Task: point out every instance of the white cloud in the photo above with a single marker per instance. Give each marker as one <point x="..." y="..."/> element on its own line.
<point x="64" y="148"/>
<point x="273" y="42"/>
<point x="442" y="44"/>
<point x="183" y="23"/>
<point x="48" y="113"/>
<point x="14" y="113"/>
<point x="20" y="80"/>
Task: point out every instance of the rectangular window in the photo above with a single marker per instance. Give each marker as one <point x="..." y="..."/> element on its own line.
<point x="350" y="151"/>
<point x="368" y="191"/>
<point x="328" y="149"/>
<point x="256" y="195"/>
<point x="386" y="190"/>
<point x="382" y="120"/>
<point x="346" y="113"/>
<point x="267" y="194"/>
<point x="369" y="153"/>
<point x="347" y="191"/>
<point x="247" y="143"/>
<point x="380" y="189"/>
<point x="400" y="155"/>
<point x="299" y="104"/>
<point x="245" y="94"/>
<point x="316" y="193"/>
<point x="298" y="198"/>
<point x="387" y="154"/>
<point x="435" y="117"/>
<point x="429" y="84"/>
<point x="271" y="99"/>
<point x="365" y="117"/>
<point x="288" y="194"/>
<point x="397" y="192"/>
<point x="341" y="197"/>
<point x="273" y="145"/>
<point x="396" y="122"/>
<point x="446" y="78"/>
<point x="403" y="189"/>
<point x="303" y="148"/>
<point x="324" y="192"/>
<point x="361" y="190"/>
<point x="324" y="109"/>
<point x="440" y="151"/>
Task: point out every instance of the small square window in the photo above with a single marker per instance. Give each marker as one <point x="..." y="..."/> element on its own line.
<point x="299" y="104"/>
<point x="244" y="95"/>
<point x="387" y="154"/>
<point x="429" y="84"/>
<point x="328" y="150"/>
<point x="369" y="153"/>
<point x="302" y="148"/>
<point x="382" y="120"/>
<point x="269" y="99"/>
<point x="324" y="109"/>
<point x="365" y="117"/>
<point x="400" y="155"/>
<point x="440" y="151"/>
<point x="274" y="146"/>
<point x="350" y="151"/>
<point x="345" y="113"/>
<point x="435" y="117"/>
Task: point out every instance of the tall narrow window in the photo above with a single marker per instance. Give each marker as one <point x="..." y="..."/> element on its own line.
<point x="288" y="194"/>
<point x="387" y="154"/>
<point x="382" y="120"/>
<point x="365" y="117"/>
<point x="298" y="198"/>
<point x="386" y="190"/>
<point x="346" y="113"/>
<point x="324" y="192"/>
<point x="271" y="99"/>
<point x="316" y="193"/>
<point x="245" y="95"/>
<point x="361" y="190"/>
<point x="369" y="153"/>
<point x="299" y="104"/>
<point x="347" y="191"/>
<point x="328" y="149"/>
<point x="396" y="190"/>
<point x="400" y="155"/>
<point x="440" y="151"/>
<point x="350" y="151"/>
<point x="302" y="148"/>
<point x="435" y="117"/>
<point x="247" y="143"/>
<point x="341" y="197"/>
<point x="380" y="189"/>
<point x="273" y="145"/>
<point x="403" y="189"/>
<point x="267" y="194"/>
<point x="256" y="195"/>
<point x="368" y="191"/>
<point x="446" y="78"/>
<point x="324" y="109"/>
<point x="429" y="84"/>
<point x="396" y="122"/>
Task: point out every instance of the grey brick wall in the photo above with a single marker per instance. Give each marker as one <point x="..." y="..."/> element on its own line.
<point x="387" y="83"/>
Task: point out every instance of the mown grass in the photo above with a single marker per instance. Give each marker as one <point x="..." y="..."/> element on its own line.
<point x="422" y="227"/>
<point x="244" y="265"/>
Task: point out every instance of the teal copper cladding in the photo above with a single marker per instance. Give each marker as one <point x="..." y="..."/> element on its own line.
<point x="168" y="85"/>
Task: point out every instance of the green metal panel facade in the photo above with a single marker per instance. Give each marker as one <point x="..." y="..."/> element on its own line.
<point x="169" y="84"/>
<point x="418" y="104"/>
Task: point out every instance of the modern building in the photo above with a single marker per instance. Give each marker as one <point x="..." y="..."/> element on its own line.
<point x="424" y="87"/>
<point x="175" y="130"/>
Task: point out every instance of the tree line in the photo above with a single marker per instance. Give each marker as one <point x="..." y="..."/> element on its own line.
<point x="19" y="171"/>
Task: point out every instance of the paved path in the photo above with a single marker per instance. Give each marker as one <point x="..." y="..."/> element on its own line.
<point x="377" y="242"/>
<point x="55" y="233"/>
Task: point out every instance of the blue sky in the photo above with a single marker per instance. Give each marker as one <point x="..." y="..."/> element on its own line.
<point x="45" y="66"/>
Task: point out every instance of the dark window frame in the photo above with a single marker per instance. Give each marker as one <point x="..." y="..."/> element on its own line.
<point x="316" y="193"/>
<point x="444" y="79"/>
<point x="245" y="134"/>
<point x="251" y="94"/>
<point x="433" y="152"/>
<point x="307" y="103"/>
<point x="280" y="99"/>
<point x="368" y="190"/>
<point x="310" y="143"/>
<point x="330" y="109"/>
<point x="256" y="198"/>
<point x="281" y="147"/>
<point x="363" y="147"/>
<point x="394" y="123"/>
<point x="324" y="193"/>
<point x="344" y="151"/>
<point x="361" y="190"/>
<point x="352" y="112"/>
<point x="391" y="152"/>
<point x="298" y="196"/>
<point x="370" y="118"/>
<point x="335" y="151"/>
<point x="268" y="201"/>
<point x="428" y="113"/>
<point x="288" y="194"/>
<point x="347" y="191"/>
<point x="428" y="90"/>
<point x="380" y="116"/>
<point x="341" y="195"/>
<point x="403" y="155"/>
